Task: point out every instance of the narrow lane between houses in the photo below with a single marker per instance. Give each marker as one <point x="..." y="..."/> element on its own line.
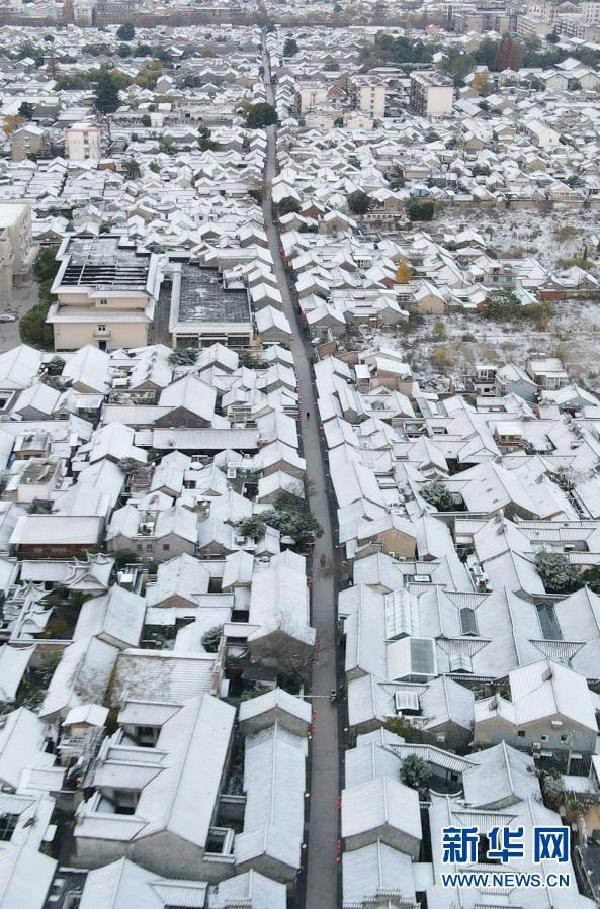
<point x="322" y="880"/>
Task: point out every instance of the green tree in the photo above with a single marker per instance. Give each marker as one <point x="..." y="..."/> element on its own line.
<point x="553" y="792"/>
<point x="591" y="578"/>
<point x="287" y="205"/>
<point x="486" y="52"/>
<point x="46" y="265"/>
<point x="459" y="65"/>
<point x="358" y="202"/>
<point x="438" y="495"/>
<point x="205" y="143"/>
<point x="290" y="47"/>
<point x="45" y="270"/>
<point x="293" y="520"/>
<point x="402" y="726"/>
<point x="132" y="169"/>
<point x="107" y="92"/>
<point x="553" y="37"/>
<point x="503" y="306"/>
<point x="183" y="356"/>
<point x="289" y="518"/>
<point x="146" y="120"/>
<point x="33" y="329"/>
<point x="74" y="82"/>
<point x="252" y="527"/>
<point x="212" y="638"/>
<point x="260" y="115"/>
<point x="166" y="145"/>
<point x="557" y="573"/>
<point x="415" y="772"/>
<point x="126" y="32"/>
<point x="567" y="478"/>
<point x="421" y="209"/>
<point x="26" y="110"/>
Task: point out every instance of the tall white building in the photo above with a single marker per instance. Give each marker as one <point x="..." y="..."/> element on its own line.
<point x="16" y="251"/>
<point x="370" y="97"/>
<point x="83" y="141"/>
<point x="591" y="11"/>
<point x="431" y="93"/>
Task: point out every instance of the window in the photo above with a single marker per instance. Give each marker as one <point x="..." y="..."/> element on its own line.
<point x="102" y="328"/>
<point x="103" y="301"/>
<point x="564" y="739"/>
<point x="8" y="822"/>
<point x="149" y="546"/>
<point x="521" y="733"/>
<point x="166" y="547"/>
<point x="544" y="738"/>
<point x="139" y="547"/>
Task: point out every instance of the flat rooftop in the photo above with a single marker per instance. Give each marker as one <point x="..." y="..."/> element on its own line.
<point x="432" y="77"/>
<point x="202" y="298"/>
<point x="105" y="261"/>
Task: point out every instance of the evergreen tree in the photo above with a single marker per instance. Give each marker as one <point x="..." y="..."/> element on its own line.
<point x="107" y="93"/>
<point x="132" y="169"/>
<point x="359" y="202"/>
<point x="26" y="110"/>
<point x="415" y="772"/>
<point x="260" y="115"/>
<point x="290" y="47"/>
<point x="126" y="32"/>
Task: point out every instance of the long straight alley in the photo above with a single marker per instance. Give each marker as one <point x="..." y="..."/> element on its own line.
<point x="322" y="882"/>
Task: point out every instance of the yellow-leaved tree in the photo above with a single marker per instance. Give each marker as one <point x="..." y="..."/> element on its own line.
<point x="403" y="272"/>
<point x="480" y="82"/>
<point x="11" y="122"/>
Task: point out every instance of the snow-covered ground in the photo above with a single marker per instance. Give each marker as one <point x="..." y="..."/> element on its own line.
<point x="452" y="344"/>
<point x="551" y="237"/>
<point x="573" y="334"/>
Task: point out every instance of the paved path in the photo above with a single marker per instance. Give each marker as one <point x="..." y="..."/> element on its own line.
<point x="322" y="882"/>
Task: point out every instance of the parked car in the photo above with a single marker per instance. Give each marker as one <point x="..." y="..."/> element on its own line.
<point x="7" y="317"/>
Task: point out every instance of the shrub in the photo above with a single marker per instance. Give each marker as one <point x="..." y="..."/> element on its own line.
<point x="438" y="495"/>
<point x="212" y="638"/>
<point x="557" y="573"/>
<point x="415" y="772"/>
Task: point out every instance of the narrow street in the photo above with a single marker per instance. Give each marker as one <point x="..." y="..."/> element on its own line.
<point x="322" y="881"/>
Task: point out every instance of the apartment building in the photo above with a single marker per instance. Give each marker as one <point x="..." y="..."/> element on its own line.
<point x="107" y="291"/>
<point x="431" y="94"/>
<point x="369" y="96"/>
<point x="83" y="141"/>
<point x="16" y="251"/>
